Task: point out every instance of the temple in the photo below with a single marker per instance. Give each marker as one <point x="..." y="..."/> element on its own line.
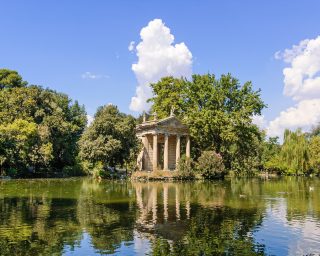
<point x="162" y="141"/>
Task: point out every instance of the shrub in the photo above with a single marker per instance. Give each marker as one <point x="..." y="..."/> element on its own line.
<point x="75" y="170"/>
<point x="185" y="168"/>
<point x="210" y="165"/>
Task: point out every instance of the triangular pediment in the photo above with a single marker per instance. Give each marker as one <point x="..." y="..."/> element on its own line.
<point x="171" y="121"/>
<point x="169" y="125"/>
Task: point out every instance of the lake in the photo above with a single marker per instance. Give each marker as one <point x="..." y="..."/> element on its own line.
<point x="279" y="216"/>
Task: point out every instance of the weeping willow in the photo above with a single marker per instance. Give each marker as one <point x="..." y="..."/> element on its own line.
<point x="294" y="153"/>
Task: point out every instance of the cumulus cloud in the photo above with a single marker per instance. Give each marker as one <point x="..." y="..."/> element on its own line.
<point x="158" y="56"/>
<point x="89" y="75"/>
<point x="304" y="114"/>
<point x="302" y="84"/>
<point x="289" y="54"/>
<point x="302" y="77"/>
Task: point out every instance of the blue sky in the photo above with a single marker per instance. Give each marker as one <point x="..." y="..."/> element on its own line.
<point x="54" y="43"/>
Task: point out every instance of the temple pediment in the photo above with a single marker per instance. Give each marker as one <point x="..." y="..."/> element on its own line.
<point x="171" y="122"/>
<point x="170" y="125"/>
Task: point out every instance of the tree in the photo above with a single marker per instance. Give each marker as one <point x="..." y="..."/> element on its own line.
<point x="57" y="124"/>
<point x="314" y="154"/>
<point x="218" y="112"/>
<point x="110" y="139"/>
<point x="293" y="157"/>
<point x="10" y="79"/>
<point x="17" y="140"/>
<point x="270" y="152"/>
<point x="315" y="131"/>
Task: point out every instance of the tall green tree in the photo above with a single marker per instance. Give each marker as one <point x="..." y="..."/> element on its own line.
<point x="314" y="154"/>
<point x="56" y="124"/>
<point x="294" y="152"/>
<point x="10" y="79"/>
<point x="218" y="112"/>
<point x="110" y="139"/>
<point x="270" y="152"/>
<point x="16" y="141"/>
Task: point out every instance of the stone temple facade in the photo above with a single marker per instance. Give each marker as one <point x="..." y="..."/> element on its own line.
<point x="162" y="141"/>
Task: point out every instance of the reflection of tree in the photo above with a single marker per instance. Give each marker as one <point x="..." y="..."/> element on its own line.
<point x="215" y="232"/>
<point x="219" y="222"/>
<point x="188" y="218"/>
<point x="44" y="216"/>
<point x="31" y="226"/>
<point x="302" y="195"/>
<point x="107" y="217"/>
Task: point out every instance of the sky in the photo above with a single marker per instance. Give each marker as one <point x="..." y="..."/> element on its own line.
<point x="101" y="52"/>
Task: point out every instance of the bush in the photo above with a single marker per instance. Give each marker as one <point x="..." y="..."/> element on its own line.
<point x="12" y="172"/>
<point x="185" y="168"/>
<point x="210" y="165"/>
<point x="71" y="171"/>
<point x="96" y="170"/>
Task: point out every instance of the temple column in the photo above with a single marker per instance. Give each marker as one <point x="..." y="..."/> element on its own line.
<point x="177" y="203"/>
<point x="188" y="208"/>
<point x="154" y="205"/>
<point x="166" y="153"/>
<point x="188" y="147"/>
<point x="155" y="152"/>
<point x="177" y="150"/>
<point x="165" y="201"/>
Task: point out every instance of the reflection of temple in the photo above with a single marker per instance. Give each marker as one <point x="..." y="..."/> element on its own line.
<point x="161" y="207"/>
<point x="161" y="141"/>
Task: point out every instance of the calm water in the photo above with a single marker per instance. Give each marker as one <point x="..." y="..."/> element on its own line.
<point x="232" y="217"/>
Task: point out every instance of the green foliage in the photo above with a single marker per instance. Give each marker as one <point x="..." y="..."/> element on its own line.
<point x="74" y="170"/>
<point x="293" y="157"/>
<point x="186" y="168"/>
<point x="314" y="154"/>
<point x="315" y="131"/>
<point x="10" y="79"/>
<point x="294" y="152"/>
<point x="219" y="115"/>
<point x="110" y="139"/>
<point x="39" y="128"/>
<point x="17" y="140"/>
<point x="270" y="152"/>
<point x="271" y="148"/>
<point x="94" y="169"/>
<point x="210" y="165"/>
<point x="160" y="247"/>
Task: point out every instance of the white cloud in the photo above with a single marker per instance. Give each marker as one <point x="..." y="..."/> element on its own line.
<point x="131" y="46"/>
<point x="289" y="54"/>
<point x="302" y="77"/>
<point x="158" y="56"/>
<point x="304" y="115"/>
<point x="260" y="121"/>
<point x="302" y="84"/>
<point x="89" y="119"/>
<point x="89" y="75"/>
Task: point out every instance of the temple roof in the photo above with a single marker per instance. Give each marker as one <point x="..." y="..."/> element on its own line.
<point x="169" y="125"/>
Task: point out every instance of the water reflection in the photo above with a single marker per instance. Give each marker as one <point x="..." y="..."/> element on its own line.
<point x="193" y="219"/>
<point x="85" y="217"/>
